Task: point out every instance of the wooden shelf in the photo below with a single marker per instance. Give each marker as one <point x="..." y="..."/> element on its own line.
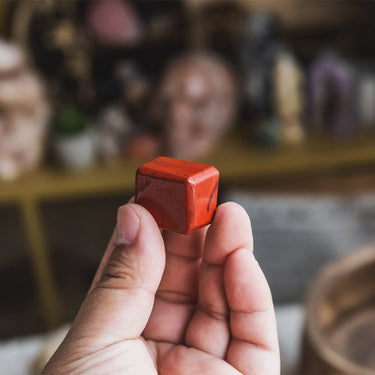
<point x="51" y="182"/>
<point x="237" y="161"/>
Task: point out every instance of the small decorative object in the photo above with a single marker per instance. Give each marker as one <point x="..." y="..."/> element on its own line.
<point x="112" y="22"/>
<point x="332" y="82"/>
<point x="24" y="114"/>
<point x="135" y="89"/>
<point x="195" y="105"/>
<point x="142" y="145"/>
<point x="74" y="144"/>
<point x="272" y="80"/>
<point x="135" y="83"/>
<point x="180" y="195"/>
<point x="340" y="313"/>
<point x="112" y="127"/>
<point x="366" y="100"/>
<point x="288" y="86"/>
<point x="261" y="46"/>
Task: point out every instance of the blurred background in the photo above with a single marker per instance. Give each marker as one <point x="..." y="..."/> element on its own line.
<point x="278" y="95"/>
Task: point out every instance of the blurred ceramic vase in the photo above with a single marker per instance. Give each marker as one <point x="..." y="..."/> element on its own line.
<point x="195" y="105"/>
<point x="24" y="114"/>
<point x="74" y="140"/>
<point x="76" y="152"/>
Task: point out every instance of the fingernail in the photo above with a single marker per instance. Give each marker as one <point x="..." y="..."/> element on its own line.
<point x="127" y="226"/>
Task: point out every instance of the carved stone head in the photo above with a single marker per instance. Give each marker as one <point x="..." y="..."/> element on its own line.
<point x="195" y="105"/>
<point x="24" y="114"/>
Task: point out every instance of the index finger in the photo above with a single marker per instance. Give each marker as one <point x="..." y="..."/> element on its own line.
<point x="253" y="348"/>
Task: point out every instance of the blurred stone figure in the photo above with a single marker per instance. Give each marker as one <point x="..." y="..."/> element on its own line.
<point x="195" y="105"/>
<point x="288" y="86"/>
<point x="259" y="52"/>
<point x="24" y="114"/>
<point x="366" y="99"/>
<point x="272" y="81"/>
<point x="332" y="82"/>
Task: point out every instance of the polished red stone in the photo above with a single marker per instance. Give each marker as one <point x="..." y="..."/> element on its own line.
<point x="180" y="195"/>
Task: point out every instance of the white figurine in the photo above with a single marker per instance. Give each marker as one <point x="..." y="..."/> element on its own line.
<point x="112" y="128"/>
<point x="24" y="114"/>
<point x="288" y="96"/>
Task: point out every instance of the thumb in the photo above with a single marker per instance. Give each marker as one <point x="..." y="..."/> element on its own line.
<point x="120" y="302"/>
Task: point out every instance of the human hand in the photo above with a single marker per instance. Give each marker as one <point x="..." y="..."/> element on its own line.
<point x="178" y="305"/>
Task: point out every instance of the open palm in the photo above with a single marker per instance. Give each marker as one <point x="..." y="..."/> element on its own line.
<point x="175" y="305"/>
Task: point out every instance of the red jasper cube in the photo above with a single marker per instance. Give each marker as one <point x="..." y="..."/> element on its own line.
<point x="180" y="195"/>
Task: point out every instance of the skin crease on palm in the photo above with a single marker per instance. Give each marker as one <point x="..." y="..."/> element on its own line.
<point x="174" y="304"/>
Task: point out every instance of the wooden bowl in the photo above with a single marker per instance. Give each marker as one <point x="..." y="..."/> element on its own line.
<point x="339" y="335"/>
